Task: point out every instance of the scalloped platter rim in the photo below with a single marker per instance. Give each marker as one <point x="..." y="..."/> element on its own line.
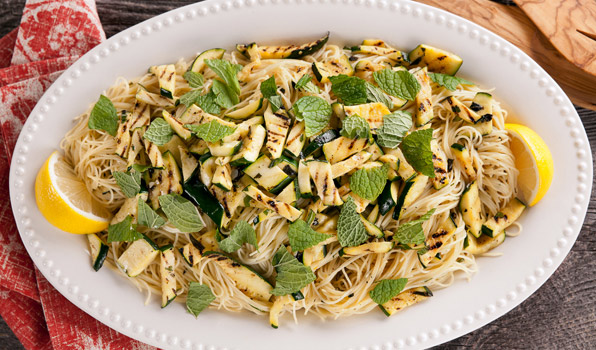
<point x="533" y="97"/>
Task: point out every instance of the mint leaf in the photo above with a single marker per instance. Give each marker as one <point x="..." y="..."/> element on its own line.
<point x="140" y="168"/>
<point x="269" y="91"/>
<point x="412" y="232"/>
<point x="124" y="231"/>
<point x="305" y="84"/>
<point x="385" y="290"/>
<point x="199" y="297"/>
<point x="416" y="150"/>
<point x="227" y="71"/>
<point x="181" y="213"/>
<point x="129" y="182"/>
<point x="350" y="90"/>
<point x="302" y="236"/>
<point x="159" y="132"/>
<point x="292" y="275"/>
<point x="400" y="83"/>
<point x="212" y="131"/>
<point x="224" y="97"/>
<point x="104" y="116"/>
<point x="394" y="127"/>
<point x="374" y="94"/>
<point x="450" y="82"/>
<point x="241" y="233"/>
<point x="148" y="217"/>
<point x="350" y="229"/>
<point x="315" y="112"/>
<point x="208" y="103"/>
<point x="189" y="98"/>
<point x="354" y="126"/>
<point x="369" y="183"/>
<point x="195" y="80"/>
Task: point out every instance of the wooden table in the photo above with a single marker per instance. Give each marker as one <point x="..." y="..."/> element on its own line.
<point x="560" y="315"/>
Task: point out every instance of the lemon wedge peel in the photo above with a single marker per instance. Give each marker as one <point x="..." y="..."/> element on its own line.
<point x="58" y="209"/>
<point x="542" y="160"/>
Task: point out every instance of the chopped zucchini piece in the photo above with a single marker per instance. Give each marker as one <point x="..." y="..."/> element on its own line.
<point x="471" y="209"/>
<point x="304" y="186"/>
<point x="222" y="177"/>
<point x="366" y="248"/>
<point x="140" y="116"/>
<point x="462" y="154"/>
<point x="208" y="167"/>
<point x="322" y="176"/>
<point x="189" y="163"/>
<point x="123" y="139"/>
<point x="372" y="112"/>
<point x="375" y="150"/>
<point x="158" y="184"/>
<point x="168" y="275"/>
<point x="198" y="147"/>
<point x="374" y="42"/>
<point x="200" y="195"/>
<point x="153" y="99"/>
<point x="166" y="76"/>
<point x="277" y="308"/>
<point x="278" y="125"/>
<point x="247" y="280"/>
<point x="99" y="251"/>
<point x="191" y="254"/>
<point x="314" y="254"/>
<point x="373" y="216"/>
<point x="411" y="191"/>
<point x="424" y="104"/>
<point x="136" y="145"/>
<point x="364" y="66"/>
<point x="250" y="109"/>
<point x="437" y="240"/>
<point x="288" y="195"/>
<point x="138" y="256"/>
<point x="337" y="66"/>
<point x="482" y="104"/>
<point x="198" y="64"/>
<point x="319" y="141"/>
<point x="461" y="110"/>
<point x="504" y="218"/>
<point x="394" y="55"/>
<point x="176" y="125"/>
<point x="286" y="51"/>
<point x="281" y="208"/>
<point x="371" y="228"/>
<point x="296" y="140"/>
<point x="388" y="198"/>
<point x="229" y="201"/>
<point x="251" y="146"/>
<point x="172" y="172"/>
<point x="173" y="146"/>
<point x="405" y="299"/>
<point x="154" y="154"/>
<point x="195" y="115"/>
<point x="343" y="147"/>
<point x="484" y="243"/>
<point x="437" y="60"/>
<point x="440" y="164"/>
<point x="341" y="168"/>
<point x="267" y="176"/>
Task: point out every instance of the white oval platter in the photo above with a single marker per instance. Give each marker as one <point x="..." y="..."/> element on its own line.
<point x="550" y="228"/>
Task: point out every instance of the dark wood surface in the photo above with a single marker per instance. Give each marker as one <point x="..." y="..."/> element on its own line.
<point x="560" y="315"/>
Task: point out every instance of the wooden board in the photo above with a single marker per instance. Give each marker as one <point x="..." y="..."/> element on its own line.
<point x="560" y="315"/>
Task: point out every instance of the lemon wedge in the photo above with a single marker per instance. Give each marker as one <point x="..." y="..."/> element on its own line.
<point x="534" y="162"/>
<point x="64" y="200"/>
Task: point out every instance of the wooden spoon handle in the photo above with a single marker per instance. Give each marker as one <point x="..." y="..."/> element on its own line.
<point x="570" y="25"/>
<point x="513" y="25"/>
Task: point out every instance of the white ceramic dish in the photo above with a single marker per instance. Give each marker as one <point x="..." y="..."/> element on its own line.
<point x="550" y="228"/>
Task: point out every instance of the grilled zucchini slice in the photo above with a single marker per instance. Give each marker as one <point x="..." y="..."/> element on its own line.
<point x="484" y="243"/>
<point x="296" y="140"/>
<point x="322" y="176"/>
<point x="198" y="64"/>
<point x="411" y="191"/>
<point x="341" y="168"/>
<point x="281" y="208"/>
<point x="504" y="218"/>
<point x="405" y="299"/>
<point x="166" y="76"/>
<point x="440" y="164"/>
<point x="138" y="256"/>
<point x="278" y="125"/>
<point x="367" y="248"/>
<point x="336" y="66"/>
<point x="461" y="110"/>
<point x="342" y="148"/>
<point x="424" y="104"/>
<point x="251" y="146"/>
<point x="437" y="60"/>
<point x="398" y="57"/>
<point x="168" y="275"/>
<point x="99" y="251"/>
<point x="482" y="104"/>
<point x="270" y="177"/>
<point x="177" y="125"/>
<point x="286" y="51"/>
<point x="462" y="154"/>
<point x="471" y="209"/>
<point x="245" y="112"/>
<point x="304" y="186"/>
<point x="372" y="112"/>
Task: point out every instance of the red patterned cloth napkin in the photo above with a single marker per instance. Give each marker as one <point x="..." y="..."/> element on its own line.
<point x="51" y="36"/>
